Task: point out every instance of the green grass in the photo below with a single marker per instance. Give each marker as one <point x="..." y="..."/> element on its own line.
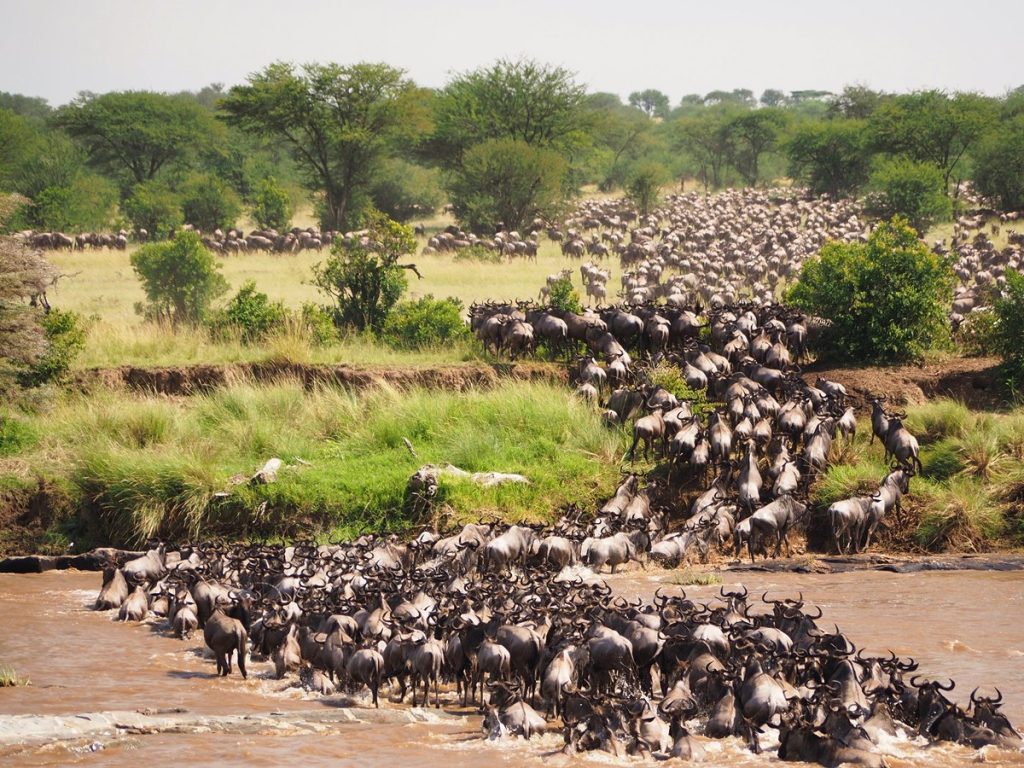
<point x="970" y="495"/>
<point x="144" y="466"/>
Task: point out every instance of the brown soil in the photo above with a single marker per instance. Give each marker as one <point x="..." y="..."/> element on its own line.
<point x="971" y="380"/>
<point x="201" y="378"/>
<point x="28" y="514"/>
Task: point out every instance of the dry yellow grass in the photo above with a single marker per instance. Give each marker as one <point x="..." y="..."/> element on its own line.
<point x="102" y="286"/>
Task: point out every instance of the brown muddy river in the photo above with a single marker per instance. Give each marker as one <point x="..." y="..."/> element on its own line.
<point x="961" y="624"/>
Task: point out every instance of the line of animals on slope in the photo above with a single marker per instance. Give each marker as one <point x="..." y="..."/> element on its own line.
<point x="769" y="436"/>
<point x="538" y="647"/>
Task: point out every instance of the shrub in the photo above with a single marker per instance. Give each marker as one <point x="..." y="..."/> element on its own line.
<point x="319" y="324"/>
<point x="155" y="208"/>
<point x="252" y="313"/>
<point x="86" y="203"/>
<point x="902" y="187"/>
<point x="425" y="322"/>
<point x="507" y="182"/>
<point x="367" y="281"/>
<point x="180" y="278"/>
<point x="670" y="377"/>
<point x="65" y="338"/>
<point x="271" y="206"/>
<point x="643" y="184"/>
<point x="208" y="203"/>
<point x="16" y="435"/>
<point x="1009" y="329"/>
<point x="478" y="253"/>
<point x="564" y="297"/>
<point x="886" y="299"/>
<point x="977" y="333"/>
<point x="403" y="190"/>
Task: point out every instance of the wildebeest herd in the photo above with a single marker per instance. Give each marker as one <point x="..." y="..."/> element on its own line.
<point x="499" y="614"/>
<point x="754" y="424"/>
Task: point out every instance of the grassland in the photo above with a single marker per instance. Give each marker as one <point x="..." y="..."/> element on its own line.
<point x="102" y="286"/>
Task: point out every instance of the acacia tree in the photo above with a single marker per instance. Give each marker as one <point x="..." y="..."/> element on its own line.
<point x="753" y="133"/>
<point x="523" y="100"/>
<point x="999" y="165"/>
<point x="830" y="156"/>
<point x="651" y="102"/>
<point x="339" y="122"/>
<point x="621" y="135"/>
<point x="643" y="185"/>
<point x="707" y="138"/>
<point x="138" y="131"/>
<point x="932" y="127"/>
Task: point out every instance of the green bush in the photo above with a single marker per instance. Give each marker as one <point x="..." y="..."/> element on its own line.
<point x="670" y="377"/>
<point x="155" y="208"/>
<point x="271" y="206"/>
<point x="65" y="338"/>
<point x="209" y="203"/>
<point x="564" y="297"/>
<point x="251" y="313"/>
<point x="367" y="281"/>
<point x="1009" y="330"/>
<point x="916" y="191"/>
<point x="886" y="299"/>
<point x="181" y="279"/>
<point x="16" y="435"/>
<point x="319" y="324"/>
<point x="506" y="182"/>
<point x="977" y="333"/>
<point x="478" y="253"/>
<point x="405" y="191"/>
<point x="643" y="184"/>
<point x="86" y="203"/>
<point x="426" y="322"/>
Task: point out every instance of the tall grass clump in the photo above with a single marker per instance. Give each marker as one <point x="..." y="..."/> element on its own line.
<point x="961" y="516"/>
<point x="970" y="494"/>
<point x="939" y="419"/>
<point x="11" y="679"/>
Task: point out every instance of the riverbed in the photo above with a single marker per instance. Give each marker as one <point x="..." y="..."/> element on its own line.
<point x="964" y="624"/>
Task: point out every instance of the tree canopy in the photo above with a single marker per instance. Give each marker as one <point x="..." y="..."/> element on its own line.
<point x="337" y="120"/>
<point x="523" y="100"/>
<point x="138" y="132"/>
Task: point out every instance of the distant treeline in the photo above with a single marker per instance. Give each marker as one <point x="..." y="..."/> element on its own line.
<point x="503" y="144"/>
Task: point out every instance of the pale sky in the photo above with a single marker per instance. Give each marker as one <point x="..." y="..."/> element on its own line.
<point x="55" y="48"/>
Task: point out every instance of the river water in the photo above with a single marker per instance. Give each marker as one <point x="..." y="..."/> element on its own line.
<point x="967" y="625"/>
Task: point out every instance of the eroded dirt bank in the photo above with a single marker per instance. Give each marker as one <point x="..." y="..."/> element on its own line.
<point x="189" y="380"/>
